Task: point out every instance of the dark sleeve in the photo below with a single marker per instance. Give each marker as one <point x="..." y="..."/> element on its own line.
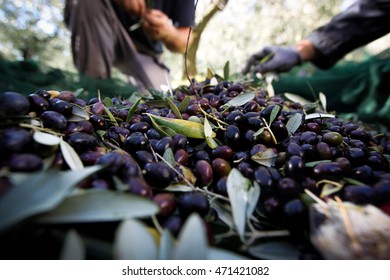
<point x="182" y="13"/>
<point x="363" y="22"/>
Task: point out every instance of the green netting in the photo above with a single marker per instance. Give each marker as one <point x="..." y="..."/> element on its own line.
<point x="360" y="88"/>
<point x="26" y="77"/>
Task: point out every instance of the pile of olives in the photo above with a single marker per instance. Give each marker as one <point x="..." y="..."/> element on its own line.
<point x="320" y="152"/>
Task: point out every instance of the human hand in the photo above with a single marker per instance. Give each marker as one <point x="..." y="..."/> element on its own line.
<point x="134" y="7"/>
<point x="281" y="59"/>
<point x="158" y="25"/>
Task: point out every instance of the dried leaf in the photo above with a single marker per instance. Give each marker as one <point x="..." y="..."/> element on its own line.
<point x="328" y="189"/>
<point x="70" y="156"/>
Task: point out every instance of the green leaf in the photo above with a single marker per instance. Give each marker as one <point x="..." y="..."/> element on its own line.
<point x="226" y="71"/>
<point x="110" y="115"/>
<point x="211" y="142"/>
<point x="294" y="123"/>
<point x="274" y="113"/>
<point x="174" y="108"/>
<point x="318" y="116"/>
<point x="167" y="243"/>
<point x="179" y="188"/>
<point x="73" y="248"/>
<point x="314" y="163"/>
<point x="163" y="130"/>
<point x="78" y="114"/>
<point x="323" y="101"/>
<point x="187" y="128"/>
<point x="39" y="192"/>
<point x="266" y="158"/>
<point x="99" y="206"/>
<point x="259" y="132"/>
<point x="242" y="197"/>
<point x="70" y="156"/>
<point x="241" y="99"/>
<point x="133" y="241"/>
<point x="169" y="156"/>
<point x="132" y="110"/>
<point x="275" y="251"/>
<point x="46" y="139"/>
<point x="297" y="98"/>
<point x="224" y="213"/>
<point x="108" y="102"/>
<point x="328" y="189"/>
<point x="192" y="246"/>
<point x="184" y="103"/>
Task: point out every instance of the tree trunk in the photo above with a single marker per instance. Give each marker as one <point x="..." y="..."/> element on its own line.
<point x="190" y="69"/>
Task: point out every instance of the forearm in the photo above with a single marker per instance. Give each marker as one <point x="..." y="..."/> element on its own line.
<point x="176" y="41"/>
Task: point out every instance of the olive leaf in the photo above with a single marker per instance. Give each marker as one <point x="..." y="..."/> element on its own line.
<point x="46" y="139"/>
<point x="274" y="113"/>
<point x="323" y="100"/>
<point x="328" y="189"/>
<point x="169" y="157"/>
<point x="314" y="163"/>
<point x="78" y="114"/>
<point x="87" y="207"/>
<point x="70" y="156"/>
<point x="184" y="103"/>
<point x="163" y="130"/>
<point x="208" y="132"/>
<point x="174" y="108"/>
<point x="297" y="98"/>
<point x="187" y="128"/>
<point x="167" y="243"/>
<point x="294" y="123"/>
<point x="192" y="246"/>
<point x="318" y="115"/>
<point x="133" y="241"/>
<point x="240" y="99"/>
<point x="108" y="102"/>
<point x="266" y="158"/>
<point x="243" y="197"/>
<point x="275" y="251"/>
<point x="73" y="248"/>
<point x="39" y="192"/>
<point x="179" y="188"/>
<point x="110" y="115"/>
<point x="132" y="110"/>
<point x="226" y="70"/>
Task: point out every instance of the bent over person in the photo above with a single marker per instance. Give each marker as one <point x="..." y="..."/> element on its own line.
<point x="129" y="35"/>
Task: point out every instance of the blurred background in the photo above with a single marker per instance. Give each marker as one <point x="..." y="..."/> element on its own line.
<point x="35" y="44"/>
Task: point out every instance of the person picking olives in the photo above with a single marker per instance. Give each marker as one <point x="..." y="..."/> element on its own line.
<point x="361" y="23"/>
<point x="127" y="34"/>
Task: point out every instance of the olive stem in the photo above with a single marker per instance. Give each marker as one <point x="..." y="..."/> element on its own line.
<point x="213" y="117"/>
<point x="157" y="224"/>
<point x="25" y="125"/>
<point x="270" y="131"/>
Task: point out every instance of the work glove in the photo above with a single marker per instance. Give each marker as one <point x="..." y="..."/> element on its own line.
<point x="276" y="59"/>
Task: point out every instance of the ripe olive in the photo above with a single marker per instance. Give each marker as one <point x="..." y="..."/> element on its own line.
<point x="13" y="104"/>
<point x="158" y="174"/>
<point x="54" y="120"/>
<point x="193" y="202"/>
